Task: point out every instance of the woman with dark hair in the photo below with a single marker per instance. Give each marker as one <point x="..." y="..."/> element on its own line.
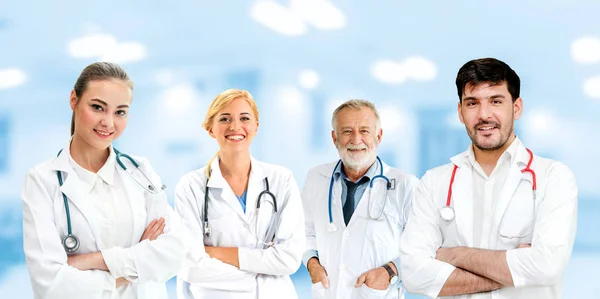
<point x="96" y="222"/>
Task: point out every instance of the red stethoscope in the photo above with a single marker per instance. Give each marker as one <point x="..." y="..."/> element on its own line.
<point x="447" y="212"/>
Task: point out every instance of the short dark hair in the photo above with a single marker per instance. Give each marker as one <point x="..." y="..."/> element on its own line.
<point x="487" y="70"/>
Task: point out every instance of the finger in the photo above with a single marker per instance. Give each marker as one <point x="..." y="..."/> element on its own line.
<point x="158" y="232"/>
<point x="524" y="245"/>
<point x="361" y="279"/>
<point x="147" y="230"/>
<point x="325" y="281"/>
<point x="155" y="227"/>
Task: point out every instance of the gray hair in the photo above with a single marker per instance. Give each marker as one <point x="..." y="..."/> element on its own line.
<point x="355" y="104"/>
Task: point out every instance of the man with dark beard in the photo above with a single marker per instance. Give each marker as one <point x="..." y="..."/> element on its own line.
<point x="355" y="212"/>
<point x="498" y="221"/>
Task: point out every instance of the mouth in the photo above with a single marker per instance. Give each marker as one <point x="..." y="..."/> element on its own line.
<point x="356" y="150"/>
<point x="487" y="129"/>
<point x="103" y="134"/>
<point x="235" y="137"/>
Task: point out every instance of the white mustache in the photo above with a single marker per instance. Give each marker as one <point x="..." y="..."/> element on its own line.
<point x="356" y="147"/>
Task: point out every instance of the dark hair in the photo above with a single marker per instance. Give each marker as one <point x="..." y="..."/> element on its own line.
<point x="98" y="71"/>
<point x="487" y="70"/>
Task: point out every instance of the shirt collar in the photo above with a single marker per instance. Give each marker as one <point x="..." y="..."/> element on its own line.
<point x="106" y="173"/>
<point x="509" y="154"/>
<point x="339" y="171"/>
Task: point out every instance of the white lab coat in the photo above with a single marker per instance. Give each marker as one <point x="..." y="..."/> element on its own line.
<point x="263" y="273"/>
<point x="45" y="225"/>
<point x="366" y="243"/>
<point x="536" y="271"/>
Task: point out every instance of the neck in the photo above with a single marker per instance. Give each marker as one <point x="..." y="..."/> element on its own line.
<point x="86" y="155"/>
<point x="235" y="164"/>
<point x="355" y="174"/>
<point x="489" y="159"/>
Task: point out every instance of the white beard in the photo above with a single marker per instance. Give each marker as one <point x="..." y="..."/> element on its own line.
<point x="357" y="160"/>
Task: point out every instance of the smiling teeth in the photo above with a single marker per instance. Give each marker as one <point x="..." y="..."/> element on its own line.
<point x="102" y="133"/>
<point x="486" y="128"/>
<point x="235" y="137"/>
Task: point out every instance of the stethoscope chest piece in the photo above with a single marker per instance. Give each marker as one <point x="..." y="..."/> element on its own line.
<point x="332" y="227"/>
<point x="447" y="213"/>
<point x="70" y="243"/>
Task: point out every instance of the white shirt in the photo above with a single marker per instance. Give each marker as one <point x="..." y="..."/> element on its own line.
<point x="109" y="212"/>
<point x="536" y="271"/>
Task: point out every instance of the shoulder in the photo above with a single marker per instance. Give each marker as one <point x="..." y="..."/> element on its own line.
<point x="274" y="170"/>
<point x="193" y="178"/>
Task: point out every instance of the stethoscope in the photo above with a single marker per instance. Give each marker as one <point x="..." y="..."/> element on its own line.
<point x="207" y="228"/>
<point x="447" y="212"/>
<point x="70" y="241"/>
<point x="389" y="185"/>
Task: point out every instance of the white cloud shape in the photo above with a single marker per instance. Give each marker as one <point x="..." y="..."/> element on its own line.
<point x="415" y="68"/>
<point x="591" y="87"/>
<point x="11" y="77"/>
<point x="277" y="17"/>
<point x="105" y="47"/>
<point x="321" y="14"/>
<point x="586" y="50"/>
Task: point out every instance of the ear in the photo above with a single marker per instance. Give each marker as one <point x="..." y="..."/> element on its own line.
<point x="210" y="132"/>
<point x="379" y="135"/>
<point x="460" y="113"/>
<point x="518" y="108"/>
<point x="334" y="137"/>
<point x="73" y="99"/>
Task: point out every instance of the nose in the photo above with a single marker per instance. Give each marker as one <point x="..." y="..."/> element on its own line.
<point x="107" y="121"/>
<point x="484" y="111"/>
<point x="235" y="125"/>
<point x="356" y="138"/>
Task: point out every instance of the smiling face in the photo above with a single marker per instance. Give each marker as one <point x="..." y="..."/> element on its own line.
<point x="101" y="112"/>
<point x="356" y="137"/>
<point x="234" y="126"/>
<point x="488" y="113"/>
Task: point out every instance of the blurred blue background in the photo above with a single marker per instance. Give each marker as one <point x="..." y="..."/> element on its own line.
<point x="299" y="58"/>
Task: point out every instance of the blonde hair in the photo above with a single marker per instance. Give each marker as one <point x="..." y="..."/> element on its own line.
<point x="219" y="103"/>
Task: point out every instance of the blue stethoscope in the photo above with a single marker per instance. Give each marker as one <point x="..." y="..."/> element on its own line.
<point x="70" y="241"/>
<point x="389" y="185"/>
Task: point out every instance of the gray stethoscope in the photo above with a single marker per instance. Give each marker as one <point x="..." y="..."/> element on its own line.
<point x="70" y="241"/>
<point x="270" y="229"/>
<point x="447" y="211"/>
<point x="390" y="184"/>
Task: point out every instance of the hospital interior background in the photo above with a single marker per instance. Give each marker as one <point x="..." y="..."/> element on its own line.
<point x="300" y="58"/>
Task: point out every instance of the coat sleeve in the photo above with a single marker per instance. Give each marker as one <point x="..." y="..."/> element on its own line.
<point x="151" y="261"/>
<point x="309" y="224"/>
<point x="283" y="258"/>
<point x="421" y="272"/>
<point x="544" y="263"/>
<point x="51" y="276"/>
<point x="199" y="268"/>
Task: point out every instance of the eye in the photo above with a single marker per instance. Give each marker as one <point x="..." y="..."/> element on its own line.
<point x="224" y="119"/>
<point x="121" y="113"/>
<point x="245" y="118"/>
<point x="497" y="102"/>
<point x="364" y="131"/>
<point x="471" y="103"/>
<point x="97" y="107"/>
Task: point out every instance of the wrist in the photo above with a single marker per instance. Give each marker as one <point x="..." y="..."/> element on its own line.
<point x="312" y="262"/>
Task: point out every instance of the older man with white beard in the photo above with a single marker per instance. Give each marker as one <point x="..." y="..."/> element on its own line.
<point x="355" y="212"/>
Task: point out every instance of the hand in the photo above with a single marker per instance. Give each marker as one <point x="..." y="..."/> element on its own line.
<point x="524" y="246"/>
<point x="228" y="255"/>
<point x="89" y="261"/>
<point x="121" y="281"/>
<point x="446" y="255"/>
<point x="317" y="272"/>
<point x="377" y="279"/>
<point x="154" y="229"/>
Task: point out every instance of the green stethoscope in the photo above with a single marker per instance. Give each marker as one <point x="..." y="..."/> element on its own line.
<point x="70" y="241"/>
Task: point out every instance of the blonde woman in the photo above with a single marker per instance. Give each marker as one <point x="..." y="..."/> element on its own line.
<point x="96" y="222"/>
<point x="245" y="215"/>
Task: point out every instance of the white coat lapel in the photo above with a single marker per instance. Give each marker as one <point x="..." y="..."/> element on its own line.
<point x="74" y="189"/>
<point x="462" y="201"/>
<point x="217" y="181"/>
<point x="514" y="178"/>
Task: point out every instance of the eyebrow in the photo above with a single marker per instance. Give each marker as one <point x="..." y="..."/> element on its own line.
<point x="105" y="104"/>
<point x="229" y="114"/>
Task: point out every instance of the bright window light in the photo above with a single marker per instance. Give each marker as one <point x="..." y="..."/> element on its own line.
<point x="277" y="18"/>
<point x="586" y="50"/>
<point x="321" y="14"/>
<point x="11" y="77"/>
<point x="308" y="79"/>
